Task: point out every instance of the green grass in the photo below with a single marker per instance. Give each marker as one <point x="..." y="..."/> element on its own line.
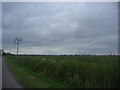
<point x="28" y="78"/>
<point x="84" y="71"/>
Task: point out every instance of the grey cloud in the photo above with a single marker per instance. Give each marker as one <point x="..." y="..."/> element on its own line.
<point x="66" y="25"/>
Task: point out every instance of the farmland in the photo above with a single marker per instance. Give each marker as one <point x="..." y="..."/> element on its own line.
<point x="75" y="71"/>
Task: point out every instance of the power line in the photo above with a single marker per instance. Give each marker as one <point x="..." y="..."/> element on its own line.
<point x="13" y="43"/>
<point x="17" y="41"/>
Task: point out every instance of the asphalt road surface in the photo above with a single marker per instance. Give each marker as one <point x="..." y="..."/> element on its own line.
<point x="8" y="80"/>
<point x="0" y="72"/>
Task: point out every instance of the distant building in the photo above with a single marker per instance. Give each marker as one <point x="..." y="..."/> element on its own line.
<point x="2" y="52"/>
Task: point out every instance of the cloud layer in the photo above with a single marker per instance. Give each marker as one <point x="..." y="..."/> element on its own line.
<point x="61" y="28"/>
<point x="0" y="25"/>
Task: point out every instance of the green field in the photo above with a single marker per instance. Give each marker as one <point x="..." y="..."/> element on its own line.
<point x="84" y="71"/>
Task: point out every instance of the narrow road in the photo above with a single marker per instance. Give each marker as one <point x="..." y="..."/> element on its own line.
<point x="8" y="80"/>
<point x="0" y="71"/>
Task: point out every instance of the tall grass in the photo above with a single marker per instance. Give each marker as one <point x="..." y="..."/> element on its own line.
<point x="77" y="71"/>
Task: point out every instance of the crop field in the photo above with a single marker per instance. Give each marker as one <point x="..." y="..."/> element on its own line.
<point x="78" y="71"/>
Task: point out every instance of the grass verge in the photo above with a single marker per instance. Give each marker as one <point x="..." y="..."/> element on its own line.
<point x="28" y="78"/>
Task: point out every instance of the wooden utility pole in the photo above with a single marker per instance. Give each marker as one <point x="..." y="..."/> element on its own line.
<point x="18" y="42"/>
<point x="17" y="47"/>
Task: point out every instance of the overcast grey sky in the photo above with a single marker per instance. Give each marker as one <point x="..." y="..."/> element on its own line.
<point x="0" y="25"/>
<point x="61" y="28"/>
